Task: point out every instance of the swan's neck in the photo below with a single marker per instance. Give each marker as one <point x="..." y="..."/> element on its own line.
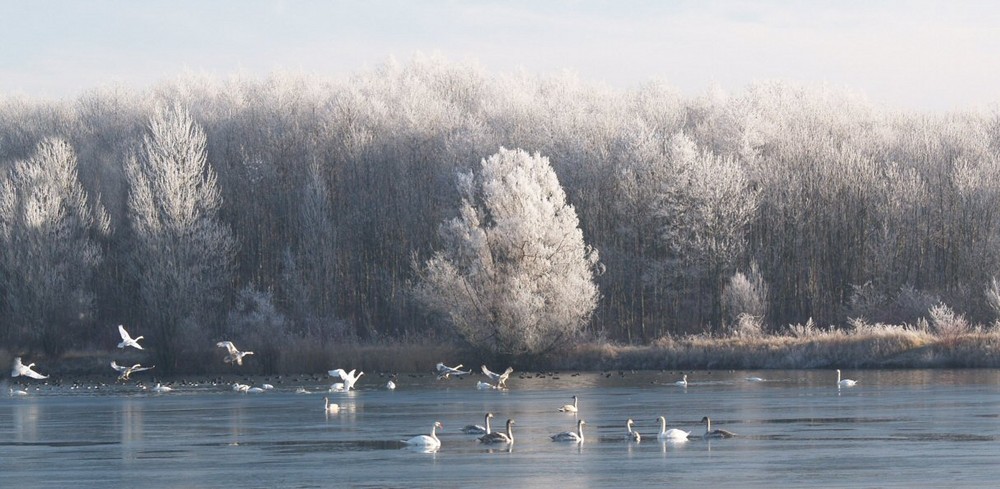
<point x="708" y="425"/>
<point x="510" y="431"/>
<point x="434" y="432"/>
<point x="663" y="426"/>
<point x="838" y="376"/>
<point x="488" y="425"/>
<point x="579" y="430"/>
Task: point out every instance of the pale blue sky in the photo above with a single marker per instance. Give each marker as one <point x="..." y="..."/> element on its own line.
<point x="908" y="54"/>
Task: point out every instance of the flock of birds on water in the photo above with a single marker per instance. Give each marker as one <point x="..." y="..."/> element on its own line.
<point x="429" y="442"/>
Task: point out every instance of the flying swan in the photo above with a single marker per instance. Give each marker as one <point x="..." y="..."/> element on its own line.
<point x="233" y="355"/>
<point x="348" y="377"/>
<point x="125" y="372"/>
<point x="499" y="379"/>
<point x="444" y="371"/>
<point x="128" y="340"/>
<point x="25" y="370"/>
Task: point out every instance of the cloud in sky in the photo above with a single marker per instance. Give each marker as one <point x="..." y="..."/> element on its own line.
<point x="924" y="54"/>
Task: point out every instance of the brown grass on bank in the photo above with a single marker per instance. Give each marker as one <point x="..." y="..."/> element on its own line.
<point x="803" y="347"/>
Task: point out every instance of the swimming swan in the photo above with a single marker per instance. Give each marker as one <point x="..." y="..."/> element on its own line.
<point x="25" y="370"/>
<point x="683" y="382"/>
<point x="475" y="429"/>
<point x="631" y="435"/>
<point x="500" y="437"/>
<point x="710" y="433"/>
<point x="673" y="434"/>
<point x="570" y="436"/>
<point x="128" y="340"/>
<point x="845" y="382"/>
<point x="427" y="441"/>
<point x="330" y="407"/>
<point x="233" y="355"/>
<point x="570" y="408"/>
<point x="161" y="389"/>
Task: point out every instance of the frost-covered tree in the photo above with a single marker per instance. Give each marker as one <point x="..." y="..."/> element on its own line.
<point x="50" y="234"/>
<point x="182" y="256"/>
<point x="514" y="275"/>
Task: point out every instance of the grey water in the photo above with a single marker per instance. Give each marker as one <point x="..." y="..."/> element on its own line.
<point x="900" y="428"/>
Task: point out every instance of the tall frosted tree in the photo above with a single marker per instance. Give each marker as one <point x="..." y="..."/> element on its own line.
<point x="514" y="275"/>
<point x="50" y="234"/>
<point x="183" y="254"/>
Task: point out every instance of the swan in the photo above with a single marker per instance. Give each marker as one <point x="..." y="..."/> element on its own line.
<point x="499" y="436"/>
<point x="475" y="429"/>
<point x="302" y="390"/>
<point x="845" y="382"/>
<point x="754" y="379"/>
<point x="427" y="441"/>
<point x="631" y="435"/>
<point x="233" y="355"/>
<point x="710" y="433"/>
<point x="161" y="389"/>
<point x="683" y="382"/>
<point x="445" y="371"/>
<point x="391" y="384"/>
<point x="673" y="434"/>
<point x="238" y="387"/>
<point x="267" y="387"/>
<point x="125" y="372"/>
<point x="25" y="370"/>
<point x="570" y="436"/>
<point x="570" y="408"/>
<point x="128" y="340"/>
<point x="330" y="407"/>
<point x="499" y="379"/>
<point x="485" y="386"/>
<point x="18" y="392"/>
<point x="254" y="390"/>
<point x="349" y="378"/>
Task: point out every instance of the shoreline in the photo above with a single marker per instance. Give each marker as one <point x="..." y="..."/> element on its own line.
<point x="893" y="349"/>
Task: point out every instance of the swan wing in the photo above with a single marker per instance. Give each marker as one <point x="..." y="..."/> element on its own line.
<point x="18" y="367"/>
<point x="125" y="336"/>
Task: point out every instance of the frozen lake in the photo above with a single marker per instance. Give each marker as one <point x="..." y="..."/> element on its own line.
<point x="903" y="428"/>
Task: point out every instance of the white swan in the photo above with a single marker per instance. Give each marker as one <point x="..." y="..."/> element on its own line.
<point x="233" y="355"/>
<point x="254" y="390"/>
<point x="238" y="387"/>
<point x="475" y="429"/>
<point x="444" y="371"/>
<point x="683" y="382"/>
<point x="570" y="408"/>
<point x="499" y="379"/>
<point x="630" y="434"/>
<point x="18" y="392"/>
<point x="128" y="340"/>
<point x="125" y="372"/>
<point x="710" y="433"/>
<point x="391" y="384"/>
<point x="754" y="379"/>
<point x="349" y="378"/>
<point x="330" y="407"/>
<point x="673" y="434"/>
<point x="427" y="441"/>
<point x="845" y="382"/>
<point x="499" y="436"/>
<point x="267" y="387"/>
<point x="25" y="370"/>
<point x="485" y="386"/>
<point x="570" y="436"/>
<point x="302" y="390"/>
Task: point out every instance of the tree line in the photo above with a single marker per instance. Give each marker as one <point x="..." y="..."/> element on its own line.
<point x="296" y="205"/>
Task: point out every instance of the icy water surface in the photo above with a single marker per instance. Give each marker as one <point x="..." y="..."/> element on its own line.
<point x="915" y="428"/>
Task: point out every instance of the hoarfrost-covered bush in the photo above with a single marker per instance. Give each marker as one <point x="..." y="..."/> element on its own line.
<point x="947" y="324"/>
<point x="514" y="275"/>
<point x="745" y="295"/>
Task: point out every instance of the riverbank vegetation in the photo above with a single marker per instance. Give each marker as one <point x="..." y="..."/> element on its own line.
<point x="295" y="210"/>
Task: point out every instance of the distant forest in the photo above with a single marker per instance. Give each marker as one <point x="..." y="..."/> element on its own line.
<point x="315" y="200"/>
